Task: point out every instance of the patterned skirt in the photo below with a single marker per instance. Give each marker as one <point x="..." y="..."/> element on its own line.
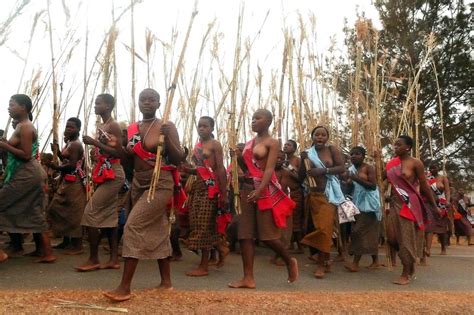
<point x="202" y="217"/>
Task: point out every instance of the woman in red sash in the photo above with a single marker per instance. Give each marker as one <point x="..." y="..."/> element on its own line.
<point x="439" y="184"/>
<point x="67" y="207"/>
<point x="146" y="232"/>
<point x="208" y="193"/>
<point x="100" y="215"/>
<point x="408" y="214"/>
<point x="265" y="207"/>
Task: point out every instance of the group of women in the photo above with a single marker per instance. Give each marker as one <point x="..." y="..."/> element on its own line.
<point x="266" y="206"/>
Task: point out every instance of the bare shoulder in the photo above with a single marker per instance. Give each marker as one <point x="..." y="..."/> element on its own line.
<point x="334" y="149"/>
<point x="272" y="142"/>
<point x="216" y="144"/>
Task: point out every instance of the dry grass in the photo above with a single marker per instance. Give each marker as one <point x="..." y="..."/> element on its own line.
<point x="249" y="302"/>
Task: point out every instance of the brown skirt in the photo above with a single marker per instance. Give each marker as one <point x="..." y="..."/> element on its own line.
<point x="101" y="210"/>
<point x="322" y="214"/>
<point x="365" y="235"/>
<point x="146" y="233"/>
<point x="402" y="235"/>
<point x="298" y="213"/>
<point x="202" y="217"/>
<point x="254" y="223"/>
<point x="22" y="200"/>
<point x="438" y="224"/>
<point x="67" y="208"/>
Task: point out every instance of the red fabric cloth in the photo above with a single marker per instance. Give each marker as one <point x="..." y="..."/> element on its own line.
<point x="205" y="171"/>
<point x="103" y="169"/>
<point x="272" y="197"/>
<point x="134" y="139"/>
<point x="413" y="206"/>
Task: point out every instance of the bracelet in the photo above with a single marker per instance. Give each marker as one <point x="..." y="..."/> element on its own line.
<point x="327" y="170"/>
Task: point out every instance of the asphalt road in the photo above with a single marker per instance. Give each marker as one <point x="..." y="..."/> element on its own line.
<point x="454" y="272"/>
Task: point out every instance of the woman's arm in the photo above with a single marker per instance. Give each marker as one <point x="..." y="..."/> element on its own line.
<point x="24" y="149"/>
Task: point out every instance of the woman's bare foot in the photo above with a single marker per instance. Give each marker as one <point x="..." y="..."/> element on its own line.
<point x="212" y="262"/>
<point x="443" y="252"/>
<point x="293" y="272"/>
<point x="374" y="266"/>
<point x="402" y="280"/>
<point x="35" y="253"/>
<point x="47" y="259"/>
<point x="110" y="265"/>
<point x="88" y="266"/>
<point x="243" y="284"/>
<point x="319" y="273"/>
<point x="118" y="295"/>
<point x="74" y="251"/>
<point x="339" y="258"/>
<point x="165" y="286"/>
<point x="198" y="272"/>
<point x="352" y="267"/>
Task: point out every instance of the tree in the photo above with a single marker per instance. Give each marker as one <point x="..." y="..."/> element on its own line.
<point x="446" y="77"/>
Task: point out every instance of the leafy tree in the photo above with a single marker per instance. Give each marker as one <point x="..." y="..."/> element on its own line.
<point x="402" y="45"/>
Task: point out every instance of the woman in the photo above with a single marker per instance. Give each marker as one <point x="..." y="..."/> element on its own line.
<point x="439" y="184"/>
<point x="408" y="214"/>
<point x="265" y="206"/>
<point x="100" y="214"/>
<point x="462" y="226"/>
<point x="67" y="207"/>
<point x="208" y="193"/>
<point x="326" y="162"/>
<point x="146" y="233"/>
<point x="22" y="195"/>
<point x="366" y="197"/>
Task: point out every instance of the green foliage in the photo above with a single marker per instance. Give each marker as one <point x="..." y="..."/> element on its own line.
<point x="402" y="44"/>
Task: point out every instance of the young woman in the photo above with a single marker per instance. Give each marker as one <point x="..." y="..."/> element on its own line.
<point x="265" y="207"/>
<point x="408" y="213"/>
<point x="208" y="193"/>
<point x="366" y="197"/>
<point x="326" y="162"/>
<point x="100" y="215"/>
<point x="22" y="194"/>
<point x="146" y="233"/>
<point x="67" y="207"/>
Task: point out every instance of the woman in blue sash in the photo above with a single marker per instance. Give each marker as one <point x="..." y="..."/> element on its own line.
<point x="326" y="162"/>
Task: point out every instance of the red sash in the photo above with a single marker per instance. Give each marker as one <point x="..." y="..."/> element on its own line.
<point x="205" y="171"/>
<point x="413" y="207"/>
<point x="134" y="139"/>
<point x="103" y="170"/>
<point x="272" y="197"/>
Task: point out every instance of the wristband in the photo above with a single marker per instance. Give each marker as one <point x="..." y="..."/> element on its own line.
<point x="327" y="170"/>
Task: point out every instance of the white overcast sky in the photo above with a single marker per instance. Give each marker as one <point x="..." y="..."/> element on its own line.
<point x="160" y="17"/>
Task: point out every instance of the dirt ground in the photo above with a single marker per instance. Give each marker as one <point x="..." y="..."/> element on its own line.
<point x="248" y="302"/>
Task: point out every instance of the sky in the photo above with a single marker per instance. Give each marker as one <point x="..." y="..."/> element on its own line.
<point x="71" y="19"/>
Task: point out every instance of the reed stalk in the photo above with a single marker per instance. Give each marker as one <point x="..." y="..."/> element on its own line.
<point x="167" y="110"/>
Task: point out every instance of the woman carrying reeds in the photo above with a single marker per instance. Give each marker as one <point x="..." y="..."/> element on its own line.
<point x="108" y="176"/>
<point x="67" y="206"/>
<point x="408" y="214"/>
<point x="208" y="193"/>
<point x="22" y="194"/>
<point x="326" y="162"/>
<point x="146" y="232"/>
